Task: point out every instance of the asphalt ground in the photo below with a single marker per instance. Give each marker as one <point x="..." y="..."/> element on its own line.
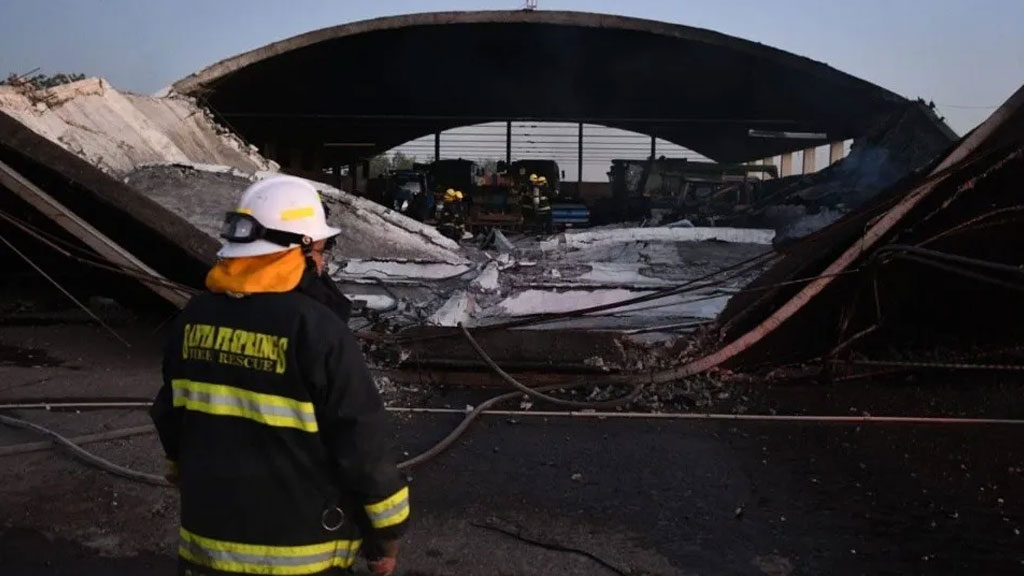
<point x="634" y="496"/>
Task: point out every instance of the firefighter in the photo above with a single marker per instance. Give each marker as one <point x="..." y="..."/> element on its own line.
<point x="452" y="223"/>
<point x="272" y="426"/>
<point x="540" y="203"/>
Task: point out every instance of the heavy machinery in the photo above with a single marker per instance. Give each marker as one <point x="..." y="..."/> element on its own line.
<point x="404" y="191"/>
<point x="495" y="204"/>
<point x="676" y="188"/>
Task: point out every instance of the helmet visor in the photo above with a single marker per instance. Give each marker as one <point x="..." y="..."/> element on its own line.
<point x="241" y="228"/>
<point x="244" y="228"/>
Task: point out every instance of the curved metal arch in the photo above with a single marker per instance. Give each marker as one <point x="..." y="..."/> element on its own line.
<point x="699" y="89"/>
<point x="195" y="82"/>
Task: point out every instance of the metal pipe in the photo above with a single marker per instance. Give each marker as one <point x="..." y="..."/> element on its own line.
<point x="723" y="417"/>
<point x="611" y="415"/>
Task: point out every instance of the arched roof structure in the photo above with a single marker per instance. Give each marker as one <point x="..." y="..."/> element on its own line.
<point x="361" y="88"/>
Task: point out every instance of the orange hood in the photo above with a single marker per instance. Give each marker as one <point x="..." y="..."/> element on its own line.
<point x="277" y="272"/>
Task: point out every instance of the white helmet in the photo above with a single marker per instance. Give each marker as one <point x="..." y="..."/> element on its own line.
<point x="275" y="215"/>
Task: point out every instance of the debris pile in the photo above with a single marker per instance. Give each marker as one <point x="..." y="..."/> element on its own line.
<point x="370" y="232"/>
<point x="932" y="261"/>
<point x="796" y="206"/>
<point x="119" y="132"/>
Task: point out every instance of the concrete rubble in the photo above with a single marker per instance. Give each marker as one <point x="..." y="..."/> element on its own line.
<point x="172" y="151"/>
<point x="404" y="275"/>
<point x="119" y="132"/>
<point x="796" y="206"/>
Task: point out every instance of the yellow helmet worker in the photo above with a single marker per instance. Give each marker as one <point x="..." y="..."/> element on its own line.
<point x="542" y="180"/>
<point x="450" y="195"/>
<point x="533" y="177"/>
<point x="458" y="195"/>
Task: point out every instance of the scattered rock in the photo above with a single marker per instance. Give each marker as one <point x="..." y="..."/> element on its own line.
<point x="773" y="565"/>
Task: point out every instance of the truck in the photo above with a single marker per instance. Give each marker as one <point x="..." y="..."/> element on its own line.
<point x="404" y="191"/>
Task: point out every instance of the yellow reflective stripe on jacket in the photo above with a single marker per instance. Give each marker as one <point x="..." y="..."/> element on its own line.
<point x="389" y="512"/>
<point x="261" y="559"/>
<point x="221" y="400"/>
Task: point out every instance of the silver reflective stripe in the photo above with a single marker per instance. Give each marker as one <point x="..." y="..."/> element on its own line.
<point x="378" y="518"/>
<point x="221" y="400"/>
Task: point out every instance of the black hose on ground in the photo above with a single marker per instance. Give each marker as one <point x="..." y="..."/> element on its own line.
<point x="614" y="403"/>
<point x="86" y="456"/>
<point x="434" y="451"/>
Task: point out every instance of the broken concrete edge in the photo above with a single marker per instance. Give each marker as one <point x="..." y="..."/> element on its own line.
<point x="359" y="206"/>
<point x="356" y="203"/>
<point x="164" y="130"/>
<point x="113" y="194"/>
<point x="668" y="234"/>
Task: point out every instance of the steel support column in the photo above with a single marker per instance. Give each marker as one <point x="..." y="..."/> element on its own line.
<point x="786" y="164"/>
<point x="437" y="146"/>
<point x="508" y="142"/>
<point x="579" y="162"/>
<point x="810" y="160"/>
<point x="835" y="152"/>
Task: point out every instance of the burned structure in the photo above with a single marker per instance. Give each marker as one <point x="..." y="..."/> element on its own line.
<point x="729" y="99"/>
<point x="152" y="175"/>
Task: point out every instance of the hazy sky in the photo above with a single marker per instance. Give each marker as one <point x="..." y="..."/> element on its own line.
<point x="959" y="53"/>
<point x="965" y="55"/>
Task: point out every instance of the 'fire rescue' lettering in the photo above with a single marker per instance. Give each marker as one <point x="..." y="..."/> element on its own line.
<point x="251" y="350"/>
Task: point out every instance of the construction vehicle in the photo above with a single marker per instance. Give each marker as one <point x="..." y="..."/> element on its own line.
<point x="457" y="174"/>
<point x="496" y="204"/>
<point x="404" y="191"/>
<point x="668" y="189"/>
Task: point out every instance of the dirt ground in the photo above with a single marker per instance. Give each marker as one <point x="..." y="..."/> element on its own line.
<point x="645" y="496"/>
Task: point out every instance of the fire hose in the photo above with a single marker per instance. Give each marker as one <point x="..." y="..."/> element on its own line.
<point x="444" y="444"/>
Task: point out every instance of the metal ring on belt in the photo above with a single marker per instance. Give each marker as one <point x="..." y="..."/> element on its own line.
<point x="326" y="516"/>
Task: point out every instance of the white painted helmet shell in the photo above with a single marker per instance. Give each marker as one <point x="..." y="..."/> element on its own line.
<point x="282" y="203"/>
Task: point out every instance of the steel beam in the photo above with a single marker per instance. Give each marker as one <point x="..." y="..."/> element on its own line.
<point x="85" y="232"/>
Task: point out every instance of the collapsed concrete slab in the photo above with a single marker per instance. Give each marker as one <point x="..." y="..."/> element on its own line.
<point x="667" y="234"/>
<point x="115" y="208"/>
<point x="202" y="194"/>
<point x="934" y="260"/>
<point x="796" y="206"/>
<point x="118" y="132"/>
<point x="160" y="169"/>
